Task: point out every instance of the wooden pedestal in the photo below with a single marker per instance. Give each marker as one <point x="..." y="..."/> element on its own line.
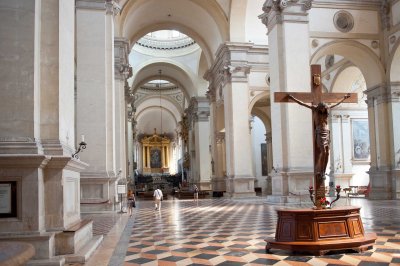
<point x="321" y="231"/>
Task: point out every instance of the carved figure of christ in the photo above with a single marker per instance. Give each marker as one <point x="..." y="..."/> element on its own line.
<point x="320" y="127"/>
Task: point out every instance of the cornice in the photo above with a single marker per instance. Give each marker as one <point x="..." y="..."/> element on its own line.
<point x="66" y="162"/>
<point x="23" y="161"/>
<point x="348" y="4"/>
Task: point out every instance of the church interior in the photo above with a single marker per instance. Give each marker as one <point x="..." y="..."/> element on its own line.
<point x="103" y="98"/>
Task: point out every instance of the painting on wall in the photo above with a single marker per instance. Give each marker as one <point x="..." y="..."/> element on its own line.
<point x="361" y="150"/>
<point x="155" y="158"/>
<point x="264" y="165"/>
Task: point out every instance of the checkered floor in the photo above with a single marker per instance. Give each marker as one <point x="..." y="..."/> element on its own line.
<point x="232" y="232"/>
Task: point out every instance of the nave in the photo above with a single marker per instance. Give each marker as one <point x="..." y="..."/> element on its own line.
<point x="232" y="232"/>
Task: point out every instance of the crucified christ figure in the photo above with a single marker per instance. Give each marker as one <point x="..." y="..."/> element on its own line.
<point x="322" y="133"/>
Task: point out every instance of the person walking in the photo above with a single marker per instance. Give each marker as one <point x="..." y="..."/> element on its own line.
<point x="158" y="195"/>
<point x="195" y="193"/>
<point x="131" y="202"/>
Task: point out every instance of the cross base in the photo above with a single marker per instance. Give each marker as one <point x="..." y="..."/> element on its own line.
<point x="321" y="231"/>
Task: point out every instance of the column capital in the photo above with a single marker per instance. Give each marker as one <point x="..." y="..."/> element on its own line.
<point x="268" y="137"/>
<point x="220" y="137"/>
<point x="233" y="64"/>
<point x="112" y="8"/>
<point x="122" y="69"/>
<point x="211" y="94"/>
<point x="278" y="11"/>
<point x="383" y="93"/>
<point x="198" y="110"/>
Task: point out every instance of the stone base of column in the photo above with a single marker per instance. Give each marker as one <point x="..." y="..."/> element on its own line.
<point x="240" y="187"/>
<point x="290" y="187"/>
<point x="382" y="186"/>
<point x="98" y="192"/>
<point x="205" y="185"/>
<point x="218" y="183"/>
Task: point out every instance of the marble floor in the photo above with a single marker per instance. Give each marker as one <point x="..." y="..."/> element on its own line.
<point x="232" y="232"/>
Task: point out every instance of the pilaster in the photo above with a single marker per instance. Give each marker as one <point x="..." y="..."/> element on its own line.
<point x="122" y="71"/>
<point x="96" y="116"/>
<point x="288" y="37"/>
<point x="383" y="110"/>
<point x="198" y="116"/>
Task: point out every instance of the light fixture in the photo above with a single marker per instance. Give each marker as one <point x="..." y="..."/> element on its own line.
<point x="159" y="87"/>
<point x="82" y="146"/>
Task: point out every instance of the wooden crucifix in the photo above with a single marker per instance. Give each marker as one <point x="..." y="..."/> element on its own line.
<point x="320" y="113"/>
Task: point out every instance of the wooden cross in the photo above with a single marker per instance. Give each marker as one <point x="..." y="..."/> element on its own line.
<point x="320" y="123"/>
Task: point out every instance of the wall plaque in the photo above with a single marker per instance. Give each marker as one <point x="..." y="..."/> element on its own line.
<point x="8" y="199"/>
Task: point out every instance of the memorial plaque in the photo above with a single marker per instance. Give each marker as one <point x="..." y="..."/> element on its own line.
<point x="8" y="199"/>
<point x="121" y="189"/>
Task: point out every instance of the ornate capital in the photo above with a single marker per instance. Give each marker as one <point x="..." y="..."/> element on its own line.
<point x="112" y="8"/>
<point x="198" y="110"/>
<point x="211" y="94"/>
<point x="268" y="137"/>
<point x="220" y="137"/>
<point x="274" y="11"/>
<point x="122" y="69"/>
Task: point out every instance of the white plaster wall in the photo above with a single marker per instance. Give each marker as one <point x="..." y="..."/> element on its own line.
<point x="91" y="82"/>
<point x="255" y="30"/>
<point x="66" y="100"/>
<point x="365" y="21"/>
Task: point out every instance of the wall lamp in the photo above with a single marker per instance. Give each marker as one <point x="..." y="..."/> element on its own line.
<point x="82" y="146"/>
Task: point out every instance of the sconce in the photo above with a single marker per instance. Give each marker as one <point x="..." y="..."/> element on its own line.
<point x="82" y="146"/>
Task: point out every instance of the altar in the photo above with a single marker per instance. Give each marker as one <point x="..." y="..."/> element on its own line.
<point x="155" y="154"/>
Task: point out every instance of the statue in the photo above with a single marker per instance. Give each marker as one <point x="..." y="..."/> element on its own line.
<point x="322" y="133"/>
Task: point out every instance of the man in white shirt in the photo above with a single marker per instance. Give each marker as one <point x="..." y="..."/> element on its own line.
<point x="157" y="198"/>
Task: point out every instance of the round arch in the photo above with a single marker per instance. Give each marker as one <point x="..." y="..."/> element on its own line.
<point x="203" y="21"/>
<point x="174" y="26"/>
<point x="177" y="113"/>
<point x="360" y="55"/>
<point x="260" y="114"/>
<point x="171" y="71"/>
<point x="146" y="125"/>
<point x="394" y="63"/>
<point x="258" y="97"/>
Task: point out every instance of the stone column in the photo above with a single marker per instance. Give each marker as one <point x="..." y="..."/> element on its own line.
<point x="96" y="101"/>
<point x="240" y="177"/>
<point x="383" y="116"/>
<point x="288" y="38"/>
<point x="199" y="112"/>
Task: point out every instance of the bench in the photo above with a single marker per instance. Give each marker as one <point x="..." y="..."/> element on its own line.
<point x="357" y="191"/>
<point x="73" y="238"/>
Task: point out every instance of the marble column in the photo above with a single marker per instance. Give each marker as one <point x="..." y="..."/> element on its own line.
<point x="288" y="31"/>
<point x="96" y="102"/>
<point x="383" y="114"/>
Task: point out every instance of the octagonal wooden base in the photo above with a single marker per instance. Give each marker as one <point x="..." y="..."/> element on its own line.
<point x="321" y="231"/>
